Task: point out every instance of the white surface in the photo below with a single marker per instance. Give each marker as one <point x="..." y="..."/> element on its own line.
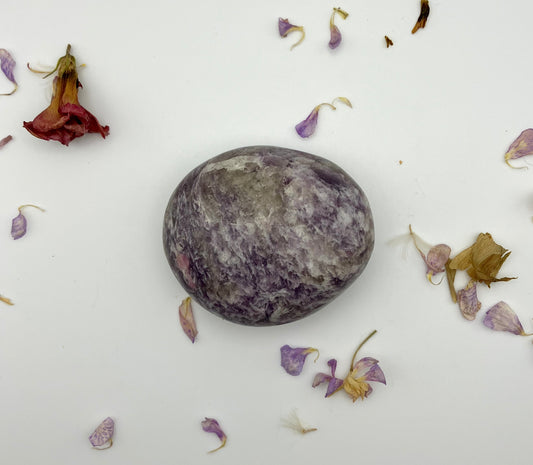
<point x="94" y="331"/>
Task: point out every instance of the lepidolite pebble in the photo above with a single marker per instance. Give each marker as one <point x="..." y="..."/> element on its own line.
<point x="267" y="235"/>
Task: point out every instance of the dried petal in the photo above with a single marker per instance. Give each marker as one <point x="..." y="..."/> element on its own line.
<point x="521" y="147"/>
<point x="388" y="43"/>
<point x="293" y="422"/>
<point x="335" y="34"/>
<point x="501" y="317"/>
<point x="334" y="384"/>
<point x="7" y="63"/>
<point x="6" y="300"/>
<point x="436" y="258"/>
<point x="187" y="319"/>
<point x="293" y="359"/>
<point x="210" y="425"/>
<point x="5" y="140"/>
<point x="103" y="434"/>
<point x="375" y="373"/>
<point x="285" y="28"/>
<point x="468" y="303"/>
<point x="423" y="17"/>
<point x="308" y="126"/>
<point x="19" y="223"/>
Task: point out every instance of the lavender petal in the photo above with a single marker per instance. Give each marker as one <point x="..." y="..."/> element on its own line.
<point x="18" y="226"/>
<point x="284" y="27"/>
<point x="293" y="359"/>
<point x="308" y="126"/>
<point x="436" y="258"/>
<point x="501" y="317"/>
<point x="333" y="385"/>
<point x="7" y="63"/>
<point x="364" y="364"/>
<point x="521" y="146"/>
<point x="468" y="303"/>
<point x="375" y="373"/>
<point x="103" y="433"/>
<point x="335" y="37"/>
<point x="210" y="425"/>
<point x="321" y="378"/>
<point x="332" y="363"/>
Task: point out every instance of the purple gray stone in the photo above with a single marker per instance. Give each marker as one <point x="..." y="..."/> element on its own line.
<point x="267" y="235"/>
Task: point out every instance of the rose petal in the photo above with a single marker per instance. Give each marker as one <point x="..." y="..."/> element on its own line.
<point x="468" y="303"/>
<point x="210" y="425"/>
<point x="187" y="319"/>
<point x="103" y="433"/>
<point x="501" y="317"/>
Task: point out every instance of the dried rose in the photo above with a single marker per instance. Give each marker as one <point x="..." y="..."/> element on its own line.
<point x="521" y="147"/>
<point x="335" y="34"/>
<point x="293" y="359"/>
<point x="482" y="261"/>
<point x="65" y="119"/>
<point x="468" y="303"/>
<point x="5" y="140"/>
<point x="103" y="434"/>
<point x="210" y="425"/>
<point x="19" y="223"/>
<point x="501" y="317"/>
<point x="308" y="126"/>
<point x="187" y="319"/>
<point x="285" y="28"/>
<point x="423" y="17"/>
<point x="436" y="257"/>
<point x="7" y="63"/>
<point x="6" y="300"/>
<point x="334" y="383"/>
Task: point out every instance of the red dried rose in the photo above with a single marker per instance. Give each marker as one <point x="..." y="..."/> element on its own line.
<point x="65" y="119"/>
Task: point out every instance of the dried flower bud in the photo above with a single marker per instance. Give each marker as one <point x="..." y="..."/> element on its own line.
<point x="5" y="140"/>
<point x="187" y="319"/>
<point x="210" y="425"/>
<point x="335" y="34"/>
<point x="308" y="126"/>
<point x="522" y="146"/>
<point x="468" y="303"/>
<point x="103" y="434"/>
<point x="423" y="17"/>
<point x="285" y="28"/>
<point x="7" y="63"/>
<point x="19" y="223"/>
<point x="501" y="317"/>
<point x="293" y="359"/>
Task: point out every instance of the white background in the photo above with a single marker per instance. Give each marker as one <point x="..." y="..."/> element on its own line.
<point x="94" y="331"/>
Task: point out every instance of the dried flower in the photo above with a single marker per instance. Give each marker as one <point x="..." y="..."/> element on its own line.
<point x="293" y="359"/>
<point x="293" y="422"/>
<point x="5" y="140"/>
<point x="468" y="303"/>
<point x="436" y="257"/>
<point x="388" y="42"/>
<point x="103" y="434"/>
<point x="501" y="317"/>
<point x="285" y="28"/>
<point x="19" y="223"/>
<point x="335" y="34"/>
<point x="65" y="119"/>
<point x="7" y="63"/>
<point x="482" y="261"/>
<point x="210" y="425"/>
<point x="187" y="319"/>
<point x="6" y="300"/>
<point x="308" y="126"/>
<point x="334" y="383"/>
<point x="521" y="147"/>
<point x="423" y="17"/>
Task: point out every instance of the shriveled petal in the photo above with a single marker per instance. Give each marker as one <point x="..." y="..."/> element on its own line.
<point x="103" y="434"/>
<point x="284" y="26"/>
<point x="333" y="386"/>
<point x="521" y="146"/>
<point x="356" y="388"/>
<point x="501" y="317"/>
<point x="210" y="425"/>
<point x="18" y="226"/>
<point x="293" y="359"/>
<point x="5" y="140"/>
<point x="423" y="17"/>
<point x="321" y="378"/>
<point x="308" y="126"/>
<point x="375" y="373"/>
<point x="187" y="319"/>
<point x="437" y="258"/>
<point x="468" y="303"/>
<point x="335" y="37"/>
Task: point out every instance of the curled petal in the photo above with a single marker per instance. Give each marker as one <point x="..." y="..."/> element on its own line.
<point x="285" y="28"/>
<point x="321" y="378"/>
<point x="19" y="223"/>
<point x="437" y="258"/>
<point x="7" y="63"/>
<point x="103" y="434"/>
<point x="187" y="319"/>
<point x="521" y="147"/>
<point x="293" y="359"/>
<point x="308" y="126"/>
<point x="335" y="37"/>
<point x="501" y="317"/>
<point x="375" y="373"/>
<point x="468" y="303"/>
<point x="210" y="425"/>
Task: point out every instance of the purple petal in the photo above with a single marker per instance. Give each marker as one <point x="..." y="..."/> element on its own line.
<point x="210" y="425"/>
<point x="521" y="147"/>
<point x="293" y="359"/>
<point x="364" y="364"/>
<point x="437" y="258"/>
<point x="7" y="63"/>
<point x="375" y="373"/>
<point x="5" y="140"/>
<point x="284" y="27"/>
<point x="333" y="385"/>
<point x="103" y="433"/>
<point x="468" y="303"/>
<point x="307" y="127"/>
<point x="18" y="226"/>
<point x="335" y="38"/>
<point x="187" y="319"/>
<point x="321" y="378"/>
<point x="501" y="317"/>
<point x="332" y="363"/>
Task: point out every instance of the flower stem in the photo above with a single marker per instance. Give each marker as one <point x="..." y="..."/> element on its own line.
<point x="359" y="347"/>
<point x="30" y="205"/>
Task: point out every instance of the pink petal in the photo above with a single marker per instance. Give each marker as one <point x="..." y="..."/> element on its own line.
<point x="501" y="317"/>
<point x="521" y="146"/>
<point x="187" y="319"/>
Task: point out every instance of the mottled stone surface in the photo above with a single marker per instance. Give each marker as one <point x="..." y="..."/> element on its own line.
<point x="266" y="235"/>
